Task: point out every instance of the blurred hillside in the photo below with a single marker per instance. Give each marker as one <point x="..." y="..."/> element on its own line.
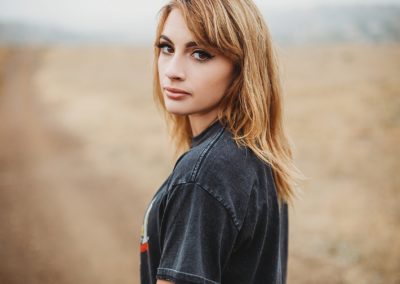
<point x="319" y="24"/>
<point x="327" y="24"/>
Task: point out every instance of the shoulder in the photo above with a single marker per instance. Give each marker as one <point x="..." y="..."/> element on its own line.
<point x="219" y="158"/>
<point x="225" y="170"/>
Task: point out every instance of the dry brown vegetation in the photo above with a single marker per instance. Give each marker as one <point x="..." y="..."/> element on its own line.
<point x="83" y="149"/>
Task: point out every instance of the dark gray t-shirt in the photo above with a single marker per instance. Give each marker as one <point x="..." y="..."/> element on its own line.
<point x="216" y="219"/>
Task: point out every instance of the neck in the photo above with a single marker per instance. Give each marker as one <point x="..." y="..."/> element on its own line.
<point x="198" y="123"/>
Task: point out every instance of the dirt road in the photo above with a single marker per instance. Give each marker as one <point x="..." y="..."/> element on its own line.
<point x="58" y="219"/>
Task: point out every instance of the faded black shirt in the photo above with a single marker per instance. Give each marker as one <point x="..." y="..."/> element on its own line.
<point x="216" y="219"/>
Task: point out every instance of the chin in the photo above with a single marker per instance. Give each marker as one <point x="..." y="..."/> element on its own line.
<point x="177" y="108"/>
<point x="177" y="112"/>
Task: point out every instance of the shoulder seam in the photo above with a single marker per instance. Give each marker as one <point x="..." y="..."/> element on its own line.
<point x="234" y="219"/>
<point x="203" y="154"/>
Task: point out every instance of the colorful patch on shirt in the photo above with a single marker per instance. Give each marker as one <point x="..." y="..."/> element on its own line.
<point x="144" y="238"/>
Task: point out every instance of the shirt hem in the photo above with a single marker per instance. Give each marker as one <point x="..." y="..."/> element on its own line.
<point x="168" y="273"/>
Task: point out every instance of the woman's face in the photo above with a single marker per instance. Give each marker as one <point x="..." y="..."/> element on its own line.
<point x="183" y="65"/>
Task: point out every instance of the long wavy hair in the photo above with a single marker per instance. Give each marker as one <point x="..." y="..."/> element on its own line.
<point x="252" y="105"/>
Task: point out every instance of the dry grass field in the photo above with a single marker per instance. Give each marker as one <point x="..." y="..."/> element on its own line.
<point x="83" y="149"/>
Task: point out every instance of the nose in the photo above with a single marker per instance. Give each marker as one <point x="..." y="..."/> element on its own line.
<point x="175" y="68"/>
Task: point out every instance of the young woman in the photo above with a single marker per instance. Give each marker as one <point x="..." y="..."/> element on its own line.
<point x="221" y="216"/>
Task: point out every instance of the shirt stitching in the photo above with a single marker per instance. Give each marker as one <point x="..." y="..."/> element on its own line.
<point x="190" y="274"/>
<point x="220" y="201"/>
<point x="227" y="208"/>
<point x="203" y="154"/>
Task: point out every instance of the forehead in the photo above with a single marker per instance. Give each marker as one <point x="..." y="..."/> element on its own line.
<point x="176" y="28"/>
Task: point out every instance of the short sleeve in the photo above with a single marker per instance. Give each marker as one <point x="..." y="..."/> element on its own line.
<point x="197" y="236"/>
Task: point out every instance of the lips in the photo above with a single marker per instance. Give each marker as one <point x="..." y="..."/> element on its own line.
<point x="175" y="93"/>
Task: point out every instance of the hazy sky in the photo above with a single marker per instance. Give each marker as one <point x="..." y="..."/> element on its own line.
<point x="118" y="16"/>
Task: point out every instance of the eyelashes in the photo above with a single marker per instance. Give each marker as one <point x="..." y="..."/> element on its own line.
<point x="162" y="46"/>
<point x="199" y="55"/>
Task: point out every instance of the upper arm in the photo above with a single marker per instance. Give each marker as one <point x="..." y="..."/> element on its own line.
<point x="197" y="236"/>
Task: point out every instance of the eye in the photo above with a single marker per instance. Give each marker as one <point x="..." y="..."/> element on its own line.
<point x="165" y="48"/>
<point x="201" y="55"/>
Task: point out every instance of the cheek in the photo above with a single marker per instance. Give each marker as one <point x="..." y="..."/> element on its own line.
<point x="160" y="66"/>
<point x="214" y="82"/>
<point x="162" y="63"/>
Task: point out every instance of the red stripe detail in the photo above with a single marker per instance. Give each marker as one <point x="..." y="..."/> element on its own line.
<point x="144" y="247"/>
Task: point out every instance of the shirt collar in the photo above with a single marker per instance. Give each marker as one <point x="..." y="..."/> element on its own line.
<point x="206" y="133"/>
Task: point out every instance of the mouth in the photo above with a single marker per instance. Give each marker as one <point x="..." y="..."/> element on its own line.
<point x="175" y="94"/>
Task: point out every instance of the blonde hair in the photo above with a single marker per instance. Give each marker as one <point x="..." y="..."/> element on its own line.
<point x="252" y="105"/>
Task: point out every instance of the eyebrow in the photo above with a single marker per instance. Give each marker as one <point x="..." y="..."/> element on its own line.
<point x="189" y="44"/>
